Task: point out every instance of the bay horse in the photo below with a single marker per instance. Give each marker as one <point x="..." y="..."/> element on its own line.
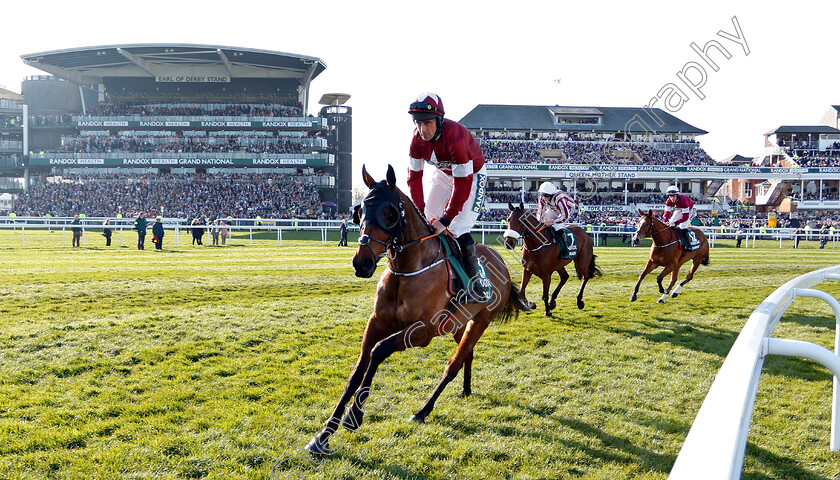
<point x="541" y="255"/>
<point x="412" y="305"/>
<point x="667" y="251"/>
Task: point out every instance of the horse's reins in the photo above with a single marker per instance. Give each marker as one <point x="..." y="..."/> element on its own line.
<point x="531" y="231"/>
<point x="651" y="233"/>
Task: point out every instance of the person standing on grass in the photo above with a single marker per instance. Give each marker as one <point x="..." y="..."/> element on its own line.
<point x="106" y="232"/>
<point x="77" y="231"/>
<point x="157" y="233"/>
<point x="343" y="241"/>
<point x="214" y="232"/>
<point x="223" y="231"/>
<point x="140" y="227"/>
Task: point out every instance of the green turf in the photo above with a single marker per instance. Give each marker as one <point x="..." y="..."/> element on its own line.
<point x="212" y="362"/>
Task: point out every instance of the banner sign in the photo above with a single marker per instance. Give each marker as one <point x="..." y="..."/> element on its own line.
<point x="192" y="79"/>
<point x="631" y="171"/>
<point x="65" y="161"/>
<point x="198" y="124"/>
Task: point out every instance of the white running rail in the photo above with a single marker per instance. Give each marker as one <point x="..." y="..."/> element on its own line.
<point x="716" y="444"/>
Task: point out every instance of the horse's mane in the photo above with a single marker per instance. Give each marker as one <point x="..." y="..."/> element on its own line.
<point x="406" y="199"/>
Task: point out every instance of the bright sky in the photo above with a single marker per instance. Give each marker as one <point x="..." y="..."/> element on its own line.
<point x="606" y="53"/>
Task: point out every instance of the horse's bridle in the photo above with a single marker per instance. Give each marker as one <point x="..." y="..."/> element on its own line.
<point x="379" y="198"/>
<point x="651" y="232"/>
<point x="522" y="232"/>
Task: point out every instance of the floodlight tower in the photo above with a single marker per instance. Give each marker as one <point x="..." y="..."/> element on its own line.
<point x="340" y="123"/>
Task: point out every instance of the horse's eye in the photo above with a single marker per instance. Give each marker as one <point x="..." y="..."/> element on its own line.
<point x="390" y="217"/>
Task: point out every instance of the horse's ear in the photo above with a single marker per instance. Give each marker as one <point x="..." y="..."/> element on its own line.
<point x="510" y="206"/>
<point x="650" y="213"/>
<point x="521" y="206"/>
<point x="391" y="177"/>
<point x="641" y="213"/>
<point x="369" y="181"/>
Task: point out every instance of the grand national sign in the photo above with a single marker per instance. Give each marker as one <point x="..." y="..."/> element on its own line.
<point x="64" y="161"/>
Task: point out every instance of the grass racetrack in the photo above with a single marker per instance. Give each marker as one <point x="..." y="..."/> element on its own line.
<point x="222" y="362"/>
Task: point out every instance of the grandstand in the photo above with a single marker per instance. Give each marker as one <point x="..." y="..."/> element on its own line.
<point x="616" y="159"/>
<point x="181" y="123"/>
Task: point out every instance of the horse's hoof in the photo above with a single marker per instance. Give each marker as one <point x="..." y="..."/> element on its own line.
<point x="317" y="447"/>
<point x="674" y="295"/>
<point x="353" y="419"/>
<point x="532" y="305"/>
<point x="552" y="305"/>
<point x="633" y="298"/>
<point x="580" y="304"/>
<point x="464" y="394"/>
<point x="548" y="313"/>
<point x="418" y="419"/>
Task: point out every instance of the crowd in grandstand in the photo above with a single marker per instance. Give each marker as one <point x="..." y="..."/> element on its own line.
<point x="286" y="109"/>
<point x="191" y="144"/>
<point x="213" y="196"/>
<point x="590" y="152"/>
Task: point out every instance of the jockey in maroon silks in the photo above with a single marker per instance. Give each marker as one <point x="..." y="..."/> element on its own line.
<point x="679" y="210"/>
<point x="458" y="181"/>
<point x="554" y="208"/>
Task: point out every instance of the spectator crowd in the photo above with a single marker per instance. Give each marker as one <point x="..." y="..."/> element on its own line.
<point x="213" y="196"/>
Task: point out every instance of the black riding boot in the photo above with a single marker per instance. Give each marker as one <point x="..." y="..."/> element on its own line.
<point x="475" y="293"/>
<point x="560" y="238"/>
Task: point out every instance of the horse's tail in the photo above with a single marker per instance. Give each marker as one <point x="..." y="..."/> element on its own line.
<point x="592" y="270"/>
<point x="705" y="260"/>
<point x="514" y="305"/>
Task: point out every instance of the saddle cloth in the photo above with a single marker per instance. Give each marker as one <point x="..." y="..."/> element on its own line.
<point x="571" y="244"/>
<point x="458" y="279"/>
<point x="689" y="239"/>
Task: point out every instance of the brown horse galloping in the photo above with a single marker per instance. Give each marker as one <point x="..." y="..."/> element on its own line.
<point x="540" y="255"/>
<point x="666" y="251"/>
<point x="411" y="305"/>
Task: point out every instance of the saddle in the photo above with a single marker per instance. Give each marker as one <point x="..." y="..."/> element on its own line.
<point x="689" y="241"/>
<point x="458" y="279"/>
<point x="567" y="242"/>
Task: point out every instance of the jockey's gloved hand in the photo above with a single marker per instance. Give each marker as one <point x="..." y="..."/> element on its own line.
<point x="439" y="225"/>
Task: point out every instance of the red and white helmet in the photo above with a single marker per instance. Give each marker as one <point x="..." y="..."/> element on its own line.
<point x="426" y="107"/>
<point x="548" y="188"/>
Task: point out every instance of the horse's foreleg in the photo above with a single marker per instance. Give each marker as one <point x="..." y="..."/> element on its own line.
<point x="526" y="277"/>
<point x="462" y="355"/>
<point x="319" y="445"/>
<point x="546" y="281"/>
<point x="416" y="335"/>
<point x="649" y="266"/>
<point x="665" y="271"/>
<point x="564" y="276"/>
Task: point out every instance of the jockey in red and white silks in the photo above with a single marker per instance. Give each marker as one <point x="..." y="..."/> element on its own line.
<point x="555" y="207"/>
<point x="679" y="208"/>
<point x="459" y="179"/>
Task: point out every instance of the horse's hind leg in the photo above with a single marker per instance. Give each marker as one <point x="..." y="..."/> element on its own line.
<point x="694" y="266"/>
<point x="580" y="303"/>
<point x="675" y="271"/>
<point x="462" y="354"/>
